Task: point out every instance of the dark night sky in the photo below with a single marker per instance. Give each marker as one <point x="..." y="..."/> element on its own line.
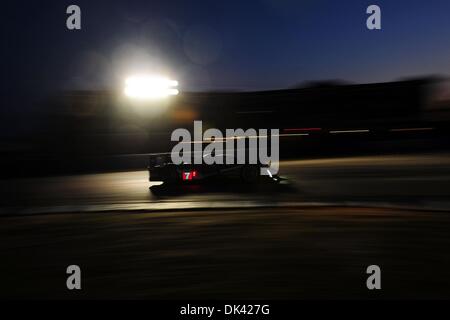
<point x="216" y="45"/>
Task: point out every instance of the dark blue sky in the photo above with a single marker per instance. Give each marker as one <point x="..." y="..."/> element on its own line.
<point x="210" y="44"/>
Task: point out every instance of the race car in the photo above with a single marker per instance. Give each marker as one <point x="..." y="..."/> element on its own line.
<point x="162" y="169"/>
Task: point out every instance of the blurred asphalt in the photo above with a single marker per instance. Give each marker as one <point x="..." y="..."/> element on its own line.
<point x="272" y="253"/>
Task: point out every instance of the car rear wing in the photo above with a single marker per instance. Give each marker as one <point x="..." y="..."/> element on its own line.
<point x="159" y="159"/>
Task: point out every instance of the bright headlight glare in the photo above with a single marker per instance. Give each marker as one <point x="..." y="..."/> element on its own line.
<point x="148" y="87"/>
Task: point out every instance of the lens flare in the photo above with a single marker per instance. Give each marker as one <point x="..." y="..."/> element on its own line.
<point x="150" y="87"/>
